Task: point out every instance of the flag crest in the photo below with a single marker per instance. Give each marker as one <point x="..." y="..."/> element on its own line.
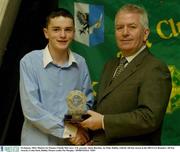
<point x="89" y="22"/>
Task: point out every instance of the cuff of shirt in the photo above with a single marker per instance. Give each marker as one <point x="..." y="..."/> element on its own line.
<point x="103" y="122"/>
<point x="69" y="131"/>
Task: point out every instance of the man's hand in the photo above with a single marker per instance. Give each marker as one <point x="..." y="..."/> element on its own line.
<point x="81" y="137"/>
<point x="94" y="122"/>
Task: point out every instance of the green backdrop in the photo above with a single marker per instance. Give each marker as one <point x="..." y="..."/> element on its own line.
<point x="164" y="42"/>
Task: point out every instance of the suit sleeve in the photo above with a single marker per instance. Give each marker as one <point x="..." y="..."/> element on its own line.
<point x="153" y="97"/>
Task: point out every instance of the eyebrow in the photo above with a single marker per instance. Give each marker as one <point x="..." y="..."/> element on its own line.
<point x="60" y="27"/>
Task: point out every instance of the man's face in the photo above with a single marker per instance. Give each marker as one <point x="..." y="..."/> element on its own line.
<point x="130" y="34"/>
<point x="59" y="32"/>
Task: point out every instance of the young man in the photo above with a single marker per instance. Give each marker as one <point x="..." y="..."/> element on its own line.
<point x="46" y="78"/>
<point x="133" y="94"/>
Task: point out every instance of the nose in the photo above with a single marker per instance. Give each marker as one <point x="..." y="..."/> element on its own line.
<point x="62" y="33"/>
<point x="125" y="31"/>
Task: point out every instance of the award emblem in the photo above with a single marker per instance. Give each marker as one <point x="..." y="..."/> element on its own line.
<point x="76" y="102"/>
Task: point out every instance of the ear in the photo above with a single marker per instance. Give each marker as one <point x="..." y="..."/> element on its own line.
<point x="146" y="34"/>
<point x="45" y="33"/>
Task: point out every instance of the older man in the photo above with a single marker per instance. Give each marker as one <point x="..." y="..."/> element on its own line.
<point x="134" y="89"/>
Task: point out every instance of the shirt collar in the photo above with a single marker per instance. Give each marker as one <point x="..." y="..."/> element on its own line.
<point x="130" y="58"/>
<point x="71" y="58"/>
<point x="48" y="59"/>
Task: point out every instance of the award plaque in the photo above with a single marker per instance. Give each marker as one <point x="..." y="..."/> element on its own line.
<point x="76" y="102"/>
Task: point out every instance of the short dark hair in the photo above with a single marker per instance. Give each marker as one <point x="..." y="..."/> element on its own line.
<point x="58" y="12"/>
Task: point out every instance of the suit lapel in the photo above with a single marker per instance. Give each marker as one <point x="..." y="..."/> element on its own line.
<point x="129" y="70"/>
<point x="111" y="71"/>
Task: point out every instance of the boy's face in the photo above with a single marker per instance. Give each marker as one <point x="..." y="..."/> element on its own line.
<point x="59" y="32"/>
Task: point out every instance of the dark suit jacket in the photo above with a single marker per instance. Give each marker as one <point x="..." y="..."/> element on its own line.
<point x="135" y="103"/>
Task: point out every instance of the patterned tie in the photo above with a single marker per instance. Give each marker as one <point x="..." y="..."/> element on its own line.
<point x="120" y="67"/>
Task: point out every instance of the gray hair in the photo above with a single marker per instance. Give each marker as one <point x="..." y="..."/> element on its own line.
<point x="136" y="9"/>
